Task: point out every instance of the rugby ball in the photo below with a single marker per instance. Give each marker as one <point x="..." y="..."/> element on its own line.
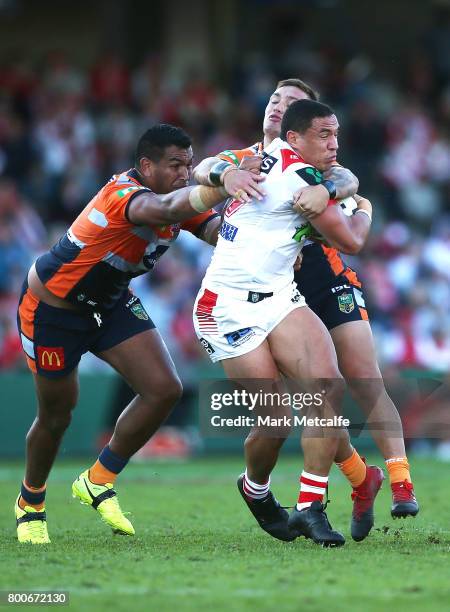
<point x="348" y="206"/>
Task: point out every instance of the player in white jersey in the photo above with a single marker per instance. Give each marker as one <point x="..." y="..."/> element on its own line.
<point x="250" y="316"/>
<point x="333" y="291"/>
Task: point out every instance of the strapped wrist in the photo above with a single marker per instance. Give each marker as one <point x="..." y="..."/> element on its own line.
<point x="330" y="187"/>
<point x="365" y="212"/>
<point x="218" y="171"/>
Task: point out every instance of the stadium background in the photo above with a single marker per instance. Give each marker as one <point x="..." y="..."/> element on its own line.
<point x="79" y="82"/>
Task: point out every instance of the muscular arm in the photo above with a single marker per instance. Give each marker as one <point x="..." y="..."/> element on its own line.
<point x="347" y="234"/>
<point x="237" y="180"/>
<point x="151" y="209"/>
<point x="201" y="172"/>
<point x="312" y="200"/>
<point x="345" y="181"/>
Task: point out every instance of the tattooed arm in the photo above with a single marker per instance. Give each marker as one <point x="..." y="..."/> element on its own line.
<point x="345" y="181"/>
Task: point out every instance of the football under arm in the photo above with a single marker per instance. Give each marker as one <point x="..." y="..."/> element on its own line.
<point x="152" y="209"/>
<point x="347" y="234"/>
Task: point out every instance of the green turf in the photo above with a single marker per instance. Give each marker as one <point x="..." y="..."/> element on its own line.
<point x="198" y="548"/>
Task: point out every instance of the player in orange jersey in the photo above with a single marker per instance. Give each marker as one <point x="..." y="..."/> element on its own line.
<point x="76" y="299"/>
<point x="333" y="291"/>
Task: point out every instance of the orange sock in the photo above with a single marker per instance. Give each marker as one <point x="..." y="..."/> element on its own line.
<point x="398" y="468"/>
<point x="354" y="469"/>
<point x="23" y="502"/>
<point x="98" y="474"/>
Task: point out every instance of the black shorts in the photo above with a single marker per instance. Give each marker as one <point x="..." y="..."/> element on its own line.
<point x="331" y="289"/>
<point x="54" y="339"/>
<point x="339" y="304"/>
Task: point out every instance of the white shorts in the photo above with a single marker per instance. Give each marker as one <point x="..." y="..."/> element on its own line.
<point x="229" y="324"/>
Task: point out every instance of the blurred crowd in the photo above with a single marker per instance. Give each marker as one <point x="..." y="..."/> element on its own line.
<point x="64" y="131"/>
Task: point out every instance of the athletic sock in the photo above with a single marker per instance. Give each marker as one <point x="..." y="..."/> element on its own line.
<point x="312" y="488"/>
<point x="354" y="469"/>
<point x="253" y="490"/>
<point x="107" y="467"/>
<point x="398" y="469"/>
<point x="32" y="496"/>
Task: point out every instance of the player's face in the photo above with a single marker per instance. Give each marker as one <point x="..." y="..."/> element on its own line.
<point x="275" y="109"/>
<point x="319" y="144"/>
<point x="173" y="170"/>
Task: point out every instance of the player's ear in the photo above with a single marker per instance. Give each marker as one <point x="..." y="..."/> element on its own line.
<point x="146" y="166"/>
<point x="292" y="137"/>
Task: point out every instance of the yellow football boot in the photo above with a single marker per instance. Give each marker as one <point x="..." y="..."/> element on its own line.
<point x="102" y="498"/>
<point x="31" y="525"/>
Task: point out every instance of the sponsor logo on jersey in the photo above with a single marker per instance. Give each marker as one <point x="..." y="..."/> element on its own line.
<point x="51" y="357"/>
<point x="346" y="302"/>
<point x="289" y="157"/>
<point x="304" y="231"/>
<point x="138" y="310"/>
<point x="132" y="300"/>
<point x="233" y="207"/>
<point x="311" y="176"/>
<point x="228" y="231"/>
<point x="124" y="192"/>
<point x="206" y="345"/>
<point x="240" y="336"/>
<point x="268" y="163"/>
<point x="339" y="288"/>
<point x="231" y="155"/>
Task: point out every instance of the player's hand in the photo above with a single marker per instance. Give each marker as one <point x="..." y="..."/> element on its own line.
<point x="311" y="201"/>
<point x="243" y="185"/>
<point x="298" y="262"/>
<point x="252" y="163"/>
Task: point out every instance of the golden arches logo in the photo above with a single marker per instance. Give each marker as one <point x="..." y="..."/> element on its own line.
<point x="50" y="356"/>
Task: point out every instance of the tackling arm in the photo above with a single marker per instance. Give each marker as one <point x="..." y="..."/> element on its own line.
<point x="344" y="180"/>
<point x="242" y="184"/>
<point x="152" y="209"/>
<point x="347" y="234"/>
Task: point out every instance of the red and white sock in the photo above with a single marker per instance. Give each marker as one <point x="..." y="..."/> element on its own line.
<point x="312" y="488"/>
<point x="253" y="490"/>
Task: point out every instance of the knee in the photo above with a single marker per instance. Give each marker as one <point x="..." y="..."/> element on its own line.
<point x="270" y="444"/>
<point x="57" y="423"/>
<point x="167" y="392"/>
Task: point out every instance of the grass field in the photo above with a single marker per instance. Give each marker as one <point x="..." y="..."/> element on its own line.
<point x="198" y="548"/>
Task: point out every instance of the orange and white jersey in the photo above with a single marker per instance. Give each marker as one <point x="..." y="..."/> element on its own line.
<point x="260" y="240"/>
<point x="95" y="260"/>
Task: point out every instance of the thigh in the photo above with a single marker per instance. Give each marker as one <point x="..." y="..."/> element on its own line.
<point x="144" y="361"/>
<point x="56" y="396"/>
<point x="302" y="348"/>
<point x="53" y="339"/>
<point x="258" y="363"/>
<point x="355" y="350"/>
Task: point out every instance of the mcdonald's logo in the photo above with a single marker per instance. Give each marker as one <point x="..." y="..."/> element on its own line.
<point x="51" y="357"/>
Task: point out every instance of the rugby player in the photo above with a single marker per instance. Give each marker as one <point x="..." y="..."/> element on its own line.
<point x="333" y="291"/>
<point x="252" y="318"/>
<point x="76" y="299"/>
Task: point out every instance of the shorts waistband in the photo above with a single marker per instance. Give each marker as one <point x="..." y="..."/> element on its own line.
<point x="241" y="294"/>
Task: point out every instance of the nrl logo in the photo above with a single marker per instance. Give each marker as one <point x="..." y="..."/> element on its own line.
<point x="346" y="303"/>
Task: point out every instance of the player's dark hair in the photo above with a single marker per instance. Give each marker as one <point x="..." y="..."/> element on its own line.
<point x="307" y="89"/>
<point x="155" y="141"/>
<point x="300" y="114"/>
